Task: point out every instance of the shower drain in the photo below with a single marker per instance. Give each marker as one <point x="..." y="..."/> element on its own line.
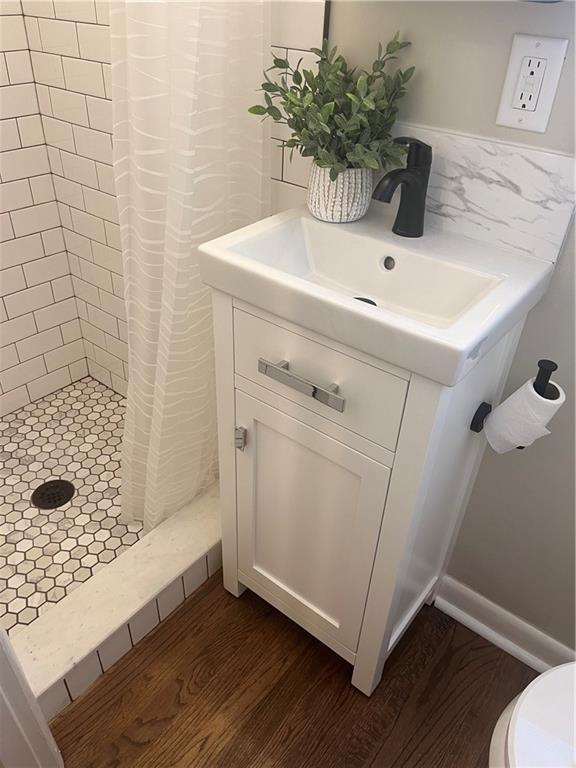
<point x="52" y="494"/>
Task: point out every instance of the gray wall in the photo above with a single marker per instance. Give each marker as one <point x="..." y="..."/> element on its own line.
<point x="516" y="544"/>
<point x="460" y="50"/>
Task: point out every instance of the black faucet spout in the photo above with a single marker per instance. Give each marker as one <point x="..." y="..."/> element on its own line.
<point x="390" y="183"/>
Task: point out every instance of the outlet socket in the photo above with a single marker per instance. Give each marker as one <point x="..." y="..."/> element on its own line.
<point x="531" y="82"/>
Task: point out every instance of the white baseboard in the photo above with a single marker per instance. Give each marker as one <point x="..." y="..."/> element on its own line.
<point x="517" y="637"/>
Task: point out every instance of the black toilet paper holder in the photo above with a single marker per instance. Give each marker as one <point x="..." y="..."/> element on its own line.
<point x="482" y="413"/>
<point x="542" y="386"/>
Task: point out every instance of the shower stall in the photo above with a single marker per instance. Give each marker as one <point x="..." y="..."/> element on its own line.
<point x="109" y="509"/>
<point x="79" y="581"/>
<point x="62" y="328"/>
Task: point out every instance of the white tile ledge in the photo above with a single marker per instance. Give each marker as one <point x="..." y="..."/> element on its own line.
<point x="62" y="637"/>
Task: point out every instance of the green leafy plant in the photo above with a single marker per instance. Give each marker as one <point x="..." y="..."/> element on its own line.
<point x="340" y="116"/>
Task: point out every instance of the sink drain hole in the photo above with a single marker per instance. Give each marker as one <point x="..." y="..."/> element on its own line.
<point x="388" y="263"/>
<point x="365" y="300"/>
<point x="53" y="494"/>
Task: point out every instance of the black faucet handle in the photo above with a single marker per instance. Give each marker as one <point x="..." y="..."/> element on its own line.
<point x="419" y="153"/>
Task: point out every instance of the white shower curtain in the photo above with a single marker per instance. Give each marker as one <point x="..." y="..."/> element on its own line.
<point x="189" y="164"/>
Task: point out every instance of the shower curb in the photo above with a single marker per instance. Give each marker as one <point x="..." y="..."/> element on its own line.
<point x="67" y="648"/>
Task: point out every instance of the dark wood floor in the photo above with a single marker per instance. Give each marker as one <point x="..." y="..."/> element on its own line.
<point x="228" y="683"/>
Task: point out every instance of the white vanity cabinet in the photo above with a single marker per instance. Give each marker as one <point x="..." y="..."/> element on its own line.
<point x="346" y="455"/>
<point x="342" y="477"/>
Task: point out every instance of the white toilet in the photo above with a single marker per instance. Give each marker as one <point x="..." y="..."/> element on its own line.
<point x="536" y="730"/>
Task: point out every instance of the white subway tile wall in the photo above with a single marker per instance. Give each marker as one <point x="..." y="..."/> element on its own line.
<point x="36" y="356"/>
<point x="58" y="210"/>
<point x="297" y="23"/>
<point x="70" y="54"/>
<point x="295" y="28"/>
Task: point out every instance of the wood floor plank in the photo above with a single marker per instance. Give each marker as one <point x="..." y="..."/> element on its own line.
<point x="357" y="738"/>
<point x="357" y="725"/>
<point x="212" y="717"/>
<point x="232" y="683"/>
<point x="439" y="702"/>
<point x="509" y="678"/>
<point x="198" y="642"/>
<point x="254" y="737"/>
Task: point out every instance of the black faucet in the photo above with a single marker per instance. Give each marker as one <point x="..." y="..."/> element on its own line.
<point x="414" y="182"/>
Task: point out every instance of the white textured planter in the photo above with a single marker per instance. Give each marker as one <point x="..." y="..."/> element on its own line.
<point x="346" y="199"/>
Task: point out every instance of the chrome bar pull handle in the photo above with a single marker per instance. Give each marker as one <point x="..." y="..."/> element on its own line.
<point x="281" y="373"/>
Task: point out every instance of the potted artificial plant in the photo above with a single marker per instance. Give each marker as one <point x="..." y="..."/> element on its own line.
<point x="341" y="118"/>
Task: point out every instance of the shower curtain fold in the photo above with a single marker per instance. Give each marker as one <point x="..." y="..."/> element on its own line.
<point x="189" y="165"/>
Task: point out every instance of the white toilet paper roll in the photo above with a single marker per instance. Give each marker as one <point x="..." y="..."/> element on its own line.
<point x="521" y="418"/>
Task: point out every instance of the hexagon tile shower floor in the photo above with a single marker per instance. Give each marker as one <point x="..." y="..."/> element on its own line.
<point x="73" y="434"/>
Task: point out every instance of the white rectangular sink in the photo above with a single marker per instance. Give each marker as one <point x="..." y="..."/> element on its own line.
<point x="440" y="302"/>
<point x="428" y="289"/>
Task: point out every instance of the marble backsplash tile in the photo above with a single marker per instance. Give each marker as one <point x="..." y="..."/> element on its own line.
<point x="514" y="196"/>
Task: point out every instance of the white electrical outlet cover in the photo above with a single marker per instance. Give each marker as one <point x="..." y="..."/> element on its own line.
<point x="553" y="51"/>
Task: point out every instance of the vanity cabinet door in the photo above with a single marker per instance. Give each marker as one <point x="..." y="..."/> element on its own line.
<point x="309" y="515"/>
